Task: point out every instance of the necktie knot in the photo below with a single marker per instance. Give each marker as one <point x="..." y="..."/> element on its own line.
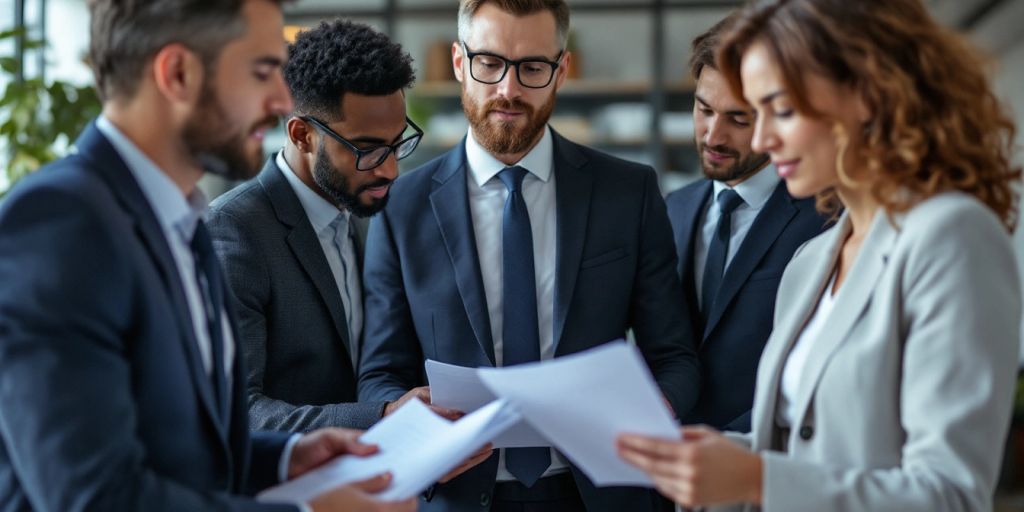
<point x="729" y="200"/>
<point x="513" y="177"/>
<point x="339" y="226"/>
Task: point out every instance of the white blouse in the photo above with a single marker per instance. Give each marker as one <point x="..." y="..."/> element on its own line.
<point x="786" y="411"/>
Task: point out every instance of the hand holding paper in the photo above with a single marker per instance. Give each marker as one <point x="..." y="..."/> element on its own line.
<point x="415" y="445"/>
<point x="460" y="388"/>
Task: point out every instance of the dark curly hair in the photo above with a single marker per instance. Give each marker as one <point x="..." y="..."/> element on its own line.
<point x="339" y="57"/>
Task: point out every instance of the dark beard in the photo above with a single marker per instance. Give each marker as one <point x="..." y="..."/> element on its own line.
<point x="219" y="151"/>
<point x="740" y="170"/>
<point x="503" y="138"/>
<point x="333" y="183"/>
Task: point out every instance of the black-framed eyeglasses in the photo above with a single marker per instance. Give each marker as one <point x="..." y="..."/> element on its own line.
<point x="368" y="159"/>
<point x="488" y="68"/>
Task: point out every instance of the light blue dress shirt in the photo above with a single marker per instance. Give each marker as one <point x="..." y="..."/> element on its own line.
<point x="755" y="192"/>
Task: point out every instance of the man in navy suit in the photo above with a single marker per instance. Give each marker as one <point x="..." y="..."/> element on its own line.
<point x="517" y="246"/>
<point x="120" y="384"/>
<point x="735" y="231"/>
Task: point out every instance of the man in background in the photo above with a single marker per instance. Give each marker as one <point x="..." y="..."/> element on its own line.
<point x="735" y="231"/>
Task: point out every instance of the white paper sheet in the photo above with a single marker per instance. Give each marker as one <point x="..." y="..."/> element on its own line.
<point x="460" y="388"/>
<point x="417" y="446"/>
<point x="582" y="402"/>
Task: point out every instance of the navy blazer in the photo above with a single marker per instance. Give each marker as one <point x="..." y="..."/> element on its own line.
<point x="731" y="342"/>
<point x="615" y="270"/>
<point x="104" y="402"/>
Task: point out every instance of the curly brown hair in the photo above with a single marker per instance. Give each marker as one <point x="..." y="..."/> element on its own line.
<point x="936" y="124"/>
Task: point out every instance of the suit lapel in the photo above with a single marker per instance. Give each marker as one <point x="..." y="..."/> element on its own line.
<point x="305" y="244"/>
<point x="769" y="224"/>
<point x="801" y="304"/>
<point x="573" y="190"/>
<point x="850" y="302"/>
<point x="690" y="213"/>
<point x="450" y="203"/>
<point x="93" y="146"/>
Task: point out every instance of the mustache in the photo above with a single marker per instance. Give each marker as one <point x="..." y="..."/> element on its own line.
<point x="507" y="104"/>
<point x="379" y="183"/>
<point x="725" y="150"/>
<point x="268" y="122"/>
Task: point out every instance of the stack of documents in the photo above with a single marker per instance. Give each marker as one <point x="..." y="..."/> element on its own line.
<point x="417" y="446"/>
<point x="578" y="404"/>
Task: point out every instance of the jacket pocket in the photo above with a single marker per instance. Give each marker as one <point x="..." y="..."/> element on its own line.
<point x="608" y="257"/>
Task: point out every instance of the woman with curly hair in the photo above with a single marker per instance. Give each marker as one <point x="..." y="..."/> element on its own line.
<point x="888" y="379"/>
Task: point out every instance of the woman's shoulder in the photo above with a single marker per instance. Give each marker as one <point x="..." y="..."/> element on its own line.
<point x="950" y="214"/>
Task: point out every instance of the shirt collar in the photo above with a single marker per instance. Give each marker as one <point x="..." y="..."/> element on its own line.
<point x="755" y="190"/>
<point x="319" y="210"/>
<point x="483" y="166"/>
<point x="173" y="209"/>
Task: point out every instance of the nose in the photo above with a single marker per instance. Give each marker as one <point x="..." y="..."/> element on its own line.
<point x="509" y="86"/>
<point x="388" y="169"/>
<point x="716" y="134"/>
<point x="765" y="139"/>
<point x="280" y="100"/>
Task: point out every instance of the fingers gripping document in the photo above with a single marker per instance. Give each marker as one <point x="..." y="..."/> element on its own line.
<point x="417" y="446"/>
<point x="577" y="403"/>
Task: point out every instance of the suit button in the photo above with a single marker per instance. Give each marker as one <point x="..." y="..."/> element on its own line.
<point x="806" y="433"/>
<point x="485" y="500"/>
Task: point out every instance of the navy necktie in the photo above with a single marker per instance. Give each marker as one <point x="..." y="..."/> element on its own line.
<point x="211" y="286"/>
<point x="714" y="268"/>
<point x="520" y="333"/>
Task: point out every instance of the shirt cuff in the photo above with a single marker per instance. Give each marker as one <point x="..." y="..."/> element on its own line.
<point x="286" y="458"/>
<point x="304" y="507"/>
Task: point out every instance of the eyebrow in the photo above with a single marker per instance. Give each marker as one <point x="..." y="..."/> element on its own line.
<point x="528" y="57"/>
<point x="366" y="139"/>
<point x="269" y="61"/>
<point x="769" y="97"/>
<point x="731" y="113"/>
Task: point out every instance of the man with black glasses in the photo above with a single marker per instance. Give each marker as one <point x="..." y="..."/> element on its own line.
<point x="518" y="246"/>
<point x="291" y="239"/>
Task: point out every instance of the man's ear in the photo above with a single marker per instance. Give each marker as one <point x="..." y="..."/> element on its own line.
<point x="299" y="134"/>
<point x="457" y="58"/>
<point x="178" y="74"/>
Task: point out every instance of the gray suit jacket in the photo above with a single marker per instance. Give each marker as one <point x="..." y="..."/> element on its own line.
<point x="906" y="397"/>
<point x="292" y="328"/>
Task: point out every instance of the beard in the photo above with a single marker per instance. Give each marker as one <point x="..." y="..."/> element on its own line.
<point x="332" y="182"/>
<point x="502" y="137"/>
<point x="209" y="137"/>
<point x="742" y="169"/>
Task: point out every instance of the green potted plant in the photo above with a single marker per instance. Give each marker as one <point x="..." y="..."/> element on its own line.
<point x="38" y="120"/>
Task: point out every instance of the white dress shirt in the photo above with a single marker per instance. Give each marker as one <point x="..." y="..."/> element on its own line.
<point x="755" y="192"/>
<point x="487" y="195"/>
<point x="332" y="225"/>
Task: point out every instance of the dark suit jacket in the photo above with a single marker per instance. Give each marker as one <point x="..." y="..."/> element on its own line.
<point x="615" y="270"/>
<point x="292" y="328"/>
<point x="104" y="402"/>
<point x="738" y="327"/>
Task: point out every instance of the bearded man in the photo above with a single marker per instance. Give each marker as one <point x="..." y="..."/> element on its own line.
<point x="519" y="245"/>
<point x="735" y="232"/>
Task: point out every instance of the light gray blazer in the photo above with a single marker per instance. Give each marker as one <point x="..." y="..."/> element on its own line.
<point x="906" y="397"/>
